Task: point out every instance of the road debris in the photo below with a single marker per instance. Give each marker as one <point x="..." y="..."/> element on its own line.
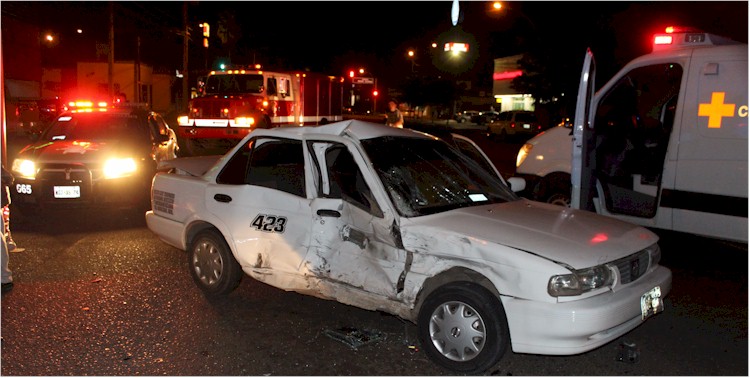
<point x="353" y="337"/>
<point x="628" y="352"/>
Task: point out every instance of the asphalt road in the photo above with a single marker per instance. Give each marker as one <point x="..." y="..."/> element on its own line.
<point x="96" y="293"/>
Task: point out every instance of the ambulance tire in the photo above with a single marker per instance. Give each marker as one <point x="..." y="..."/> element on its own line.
<point x="462" y="326"/>
<point x="555" y="189"/>
<point x="212" y="264"/>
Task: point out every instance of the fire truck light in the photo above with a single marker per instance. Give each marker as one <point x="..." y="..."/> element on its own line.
<point x="182" y="120"/>
<point x="242" y="72"/>
<point x="244" y="121"/>
<point x="265" y="104"/>
<point x="257" y="66"/>
<point x="669" y="29"/>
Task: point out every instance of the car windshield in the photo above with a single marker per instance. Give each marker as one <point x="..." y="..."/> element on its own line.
<point x="97" y="126"/>
<point x="240" y="83"/>
<point x="427" y="176"/>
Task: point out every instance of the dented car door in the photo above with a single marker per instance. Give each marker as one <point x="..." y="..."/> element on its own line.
<point x="352" y="246"/>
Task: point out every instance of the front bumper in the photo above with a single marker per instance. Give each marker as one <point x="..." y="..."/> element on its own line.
<point x="84" y="190"/>
<point x="567" y="328"/>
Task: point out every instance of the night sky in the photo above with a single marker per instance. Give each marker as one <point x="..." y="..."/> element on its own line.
<point x="334" y="36"/>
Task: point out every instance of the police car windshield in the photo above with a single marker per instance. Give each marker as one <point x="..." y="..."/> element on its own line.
<point x="231" y="83"/>
<point x="97" y="126"/>
<point x="427" y="176"/>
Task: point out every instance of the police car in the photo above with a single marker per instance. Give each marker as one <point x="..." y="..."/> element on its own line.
<point x="399" y="221"/>
<point x="665" y="142"/>
<point x="93" y="154"/>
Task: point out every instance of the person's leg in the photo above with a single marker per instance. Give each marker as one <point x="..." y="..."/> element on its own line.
<point x="7" y="275"/>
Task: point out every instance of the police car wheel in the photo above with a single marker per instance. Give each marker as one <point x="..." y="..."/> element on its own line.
<point x="463" y="327"/>
<point x="212" y="265"/>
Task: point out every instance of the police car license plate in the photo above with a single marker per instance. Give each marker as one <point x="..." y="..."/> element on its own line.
<point x="526" y="126"/>
<point x="651" y="303"/>
<point x="67" y="192"/>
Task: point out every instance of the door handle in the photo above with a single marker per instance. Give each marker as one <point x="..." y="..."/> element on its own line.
<point x="329" y="213"/>
<point x="222" y="198"/>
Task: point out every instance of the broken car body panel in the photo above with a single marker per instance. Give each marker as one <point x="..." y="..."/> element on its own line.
<point x="379" y="218"/>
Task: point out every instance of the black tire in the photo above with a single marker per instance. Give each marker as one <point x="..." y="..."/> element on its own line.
<point x="212" y="265"/>
<point x="556" y="189"/>
<point x="463" y="309"/>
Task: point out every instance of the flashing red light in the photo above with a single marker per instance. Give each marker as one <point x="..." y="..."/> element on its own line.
<point x="663" y="40"/>
<point x="375" y="93"/>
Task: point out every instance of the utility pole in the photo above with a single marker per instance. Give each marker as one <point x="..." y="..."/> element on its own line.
<point x="111" y="66"/>
<point x="185" y="73"/>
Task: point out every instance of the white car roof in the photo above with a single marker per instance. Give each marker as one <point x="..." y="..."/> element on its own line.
<point x="356" y="129"/>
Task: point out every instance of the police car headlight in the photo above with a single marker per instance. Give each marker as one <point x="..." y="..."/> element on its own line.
<point x="580" y="281"/>
<point x="115" y="168"/>
<point x="523" y="153"/>
<point x="24" y="168"/>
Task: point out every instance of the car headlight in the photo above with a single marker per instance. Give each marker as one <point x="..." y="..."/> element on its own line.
<point x="24" y="168"/>
<point x="523" y="153"/>
<point x="580" y="281"/>
<point x="115" y="168"/>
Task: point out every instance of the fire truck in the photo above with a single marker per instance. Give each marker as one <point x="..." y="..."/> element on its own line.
<point x="234" y="102"/>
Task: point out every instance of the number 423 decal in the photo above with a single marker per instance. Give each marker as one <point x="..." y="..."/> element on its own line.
<point x="269" y="223"/>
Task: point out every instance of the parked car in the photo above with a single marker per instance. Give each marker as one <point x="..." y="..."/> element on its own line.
<point x="466" y="116"/>
<point x="486" y="117"/>
<point x="93" y="154"/>
<point x="514" y="123"/>
<point x="402" y="222"/>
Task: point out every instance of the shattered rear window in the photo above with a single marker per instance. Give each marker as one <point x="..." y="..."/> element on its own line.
<point x="426" y="176"/>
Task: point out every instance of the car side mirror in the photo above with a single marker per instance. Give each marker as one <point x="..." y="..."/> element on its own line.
<point x="516" y="184"/>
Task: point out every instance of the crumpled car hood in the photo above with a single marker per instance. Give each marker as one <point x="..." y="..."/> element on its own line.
<point x="577" y="238"/>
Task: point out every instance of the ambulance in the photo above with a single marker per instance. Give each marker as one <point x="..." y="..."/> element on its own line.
<point x="663" y="144"/>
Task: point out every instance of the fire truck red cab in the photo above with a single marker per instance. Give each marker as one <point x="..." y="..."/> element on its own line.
<point x="234" y="102"/>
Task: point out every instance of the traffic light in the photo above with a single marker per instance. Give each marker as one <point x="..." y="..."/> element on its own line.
<point x="375" y="93"/>
<point x="351" y="73"/>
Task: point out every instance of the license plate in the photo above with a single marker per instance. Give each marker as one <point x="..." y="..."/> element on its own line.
<point x="67" y="192"/>
<point x="651" y="303"/>
<point x="526" y="126"/>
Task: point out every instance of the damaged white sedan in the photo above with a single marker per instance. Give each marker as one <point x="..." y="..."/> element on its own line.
<point x="399" y="221"/>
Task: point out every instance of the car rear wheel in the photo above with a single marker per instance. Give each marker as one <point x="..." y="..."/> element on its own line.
<point x="463" y="327"/>
<point x="212" y="265"/>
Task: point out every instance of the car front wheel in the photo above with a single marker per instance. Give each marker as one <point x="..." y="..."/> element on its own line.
<point x="212" y="265"/>
<point x="463" y="327"/>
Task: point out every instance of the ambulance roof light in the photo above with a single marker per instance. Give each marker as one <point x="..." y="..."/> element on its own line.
<point x="676" y="37"/>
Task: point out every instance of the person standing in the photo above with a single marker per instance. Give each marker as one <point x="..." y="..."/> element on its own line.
<point x="7" y="275"/>
<point x="394" y="117"/>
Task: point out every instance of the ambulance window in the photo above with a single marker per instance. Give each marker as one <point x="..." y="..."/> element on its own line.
<point x="271" y="86"/>
<point x="640" y="101"/>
